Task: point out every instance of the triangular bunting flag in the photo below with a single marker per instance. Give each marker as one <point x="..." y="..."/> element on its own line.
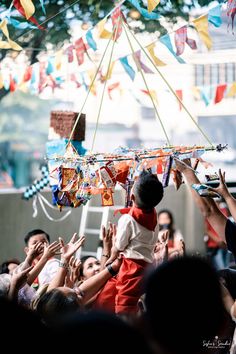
<point x="167" y="42"/>
<point x="201" y="25"/>
<point x="214" y="16"/>
<point x="157" y="61"/>
<point x="232" y="90"/>
<point x="152" y="4"/>
<point x="179" y="94"/>
<point x="140" y="64"/>
<point x="130" y="71"/>
<point x="220" y="91"/>
<point x="28" y="7"/>
<point x="9" y="43"/>
<point x="102" y="32"/>
<point x="181" y="37"/>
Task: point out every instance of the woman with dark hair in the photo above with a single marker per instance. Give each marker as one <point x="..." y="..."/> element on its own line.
<point x="90" y="266"/>
<point x="175" y="240"/>
<point x="8" y="266"/>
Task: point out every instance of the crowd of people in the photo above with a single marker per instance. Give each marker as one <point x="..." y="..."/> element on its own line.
<point x="144" y="295"/>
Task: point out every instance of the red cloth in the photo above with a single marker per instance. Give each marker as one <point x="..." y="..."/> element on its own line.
<point x="220" y="91"/>
<point x="121" y="293"/>
<point x="19" y="7"/>
<point x="147" y="219"/>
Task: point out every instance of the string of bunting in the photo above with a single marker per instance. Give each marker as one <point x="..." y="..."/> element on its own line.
<point x="49" y="73"/>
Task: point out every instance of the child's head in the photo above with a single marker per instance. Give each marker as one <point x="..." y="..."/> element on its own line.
<point x="147" y="191"/>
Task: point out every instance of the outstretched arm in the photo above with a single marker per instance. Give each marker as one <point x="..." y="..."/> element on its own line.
<point x="222" y="190"/>
<point x="207" y="206"/>
<point x="91" y="286"/>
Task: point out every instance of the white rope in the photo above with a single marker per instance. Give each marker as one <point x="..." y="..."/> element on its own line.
<point x="34" y="204"/>
<point x="43" y="201"/>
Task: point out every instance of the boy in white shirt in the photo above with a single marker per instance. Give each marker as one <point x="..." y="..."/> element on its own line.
<point x="137" y="235"/>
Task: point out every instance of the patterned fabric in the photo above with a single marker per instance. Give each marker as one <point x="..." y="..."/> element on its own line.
<point x="231" y="11"/>
<point x="181" y="37"/>
<point x="116" y="22"/>
<point x="80" y="49"/>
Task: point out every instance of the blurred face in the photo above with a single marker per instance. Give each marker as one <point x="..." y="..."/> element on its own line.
<point x="34" y="239"/>
<point x="90" y="267"/>
<point x="164" y="219"/>
<point x="72" y="293"/>
<point x="11" y="267"/>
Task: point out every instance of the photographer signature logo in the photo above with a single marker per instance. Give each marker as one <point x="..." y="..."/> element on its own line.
<point x="216" y="343"/>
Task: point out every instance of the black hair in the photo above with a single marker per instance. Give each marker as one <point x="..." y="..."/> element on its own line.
<point x="171" y="225"/>
<point x="197" y="304"/>
<point x="148" y="190"/>
<point x="83" y="260"/>
<point x="33" y="233"/>
<point x="54" y="306"/>
<point x="4" y="266"/>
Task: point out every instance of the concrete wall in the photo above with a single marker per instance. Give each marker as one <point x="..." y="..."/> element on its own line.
<point x="16" y="220"/>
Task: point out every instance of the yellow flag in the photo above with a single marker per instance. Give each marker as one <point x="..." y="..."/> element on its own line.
<point x="157" y="61"/>
<point x="152" y="4"/>
<point x="9" y="43"/>
<point x="29" y="8"/>
<point x="58" y="59"/>
<point x="1" y="81"/>
<point x="201" y="25"/>
<point x="196" y="92"/>
<point x="110" y="71"/>
<point x="91" y="74"/>
<point x="153" y="94"/>
<point x="232" y="90"/>
<point x="102" y="32"/>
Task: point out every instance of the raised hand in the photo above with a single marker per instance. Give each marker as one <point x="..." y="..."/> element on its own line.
<point x="222" y="188"/>
<point x="73" y="274"/>
<point x="34" y="251"/>
<point x="18" y="280"/>
<point x="71" y="247"/>
<point x="51" y="250"/>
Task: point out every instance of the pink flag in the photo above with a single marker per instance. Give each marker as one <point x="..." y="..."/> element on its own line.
<point x="181" y="37"/>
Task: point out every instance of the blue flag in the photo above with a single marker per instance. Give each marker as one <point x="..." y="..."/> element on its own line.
<point x="18" y="24"/>
<point x="214" y="16"/>
<point x="130" y="71"/>
<point x="90" y="40"/>
<point x="166" y="41"/>
<point x="144" y="12"/>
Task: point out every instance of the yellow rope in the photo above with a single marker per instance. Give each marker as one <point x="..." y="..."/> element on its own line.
<point x="145" y="82"/>
<point x="171" y="89"/>
<point x="90" y="88"/>
<point x="114" y="34"/>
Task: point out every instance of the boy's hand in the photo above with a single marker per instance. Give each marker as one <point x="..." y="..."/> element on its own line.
<point x="222" y="188"/>
<point x="114" y="254"/>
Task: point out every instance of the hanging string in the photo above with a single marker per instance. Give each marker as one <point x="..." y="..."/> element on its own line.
<point x="145" y="82"/>
<point x="90" y="88"/>
<point x="43" y="201"/>
<point x="114" y="34"/>
<point x="171" y="89"/>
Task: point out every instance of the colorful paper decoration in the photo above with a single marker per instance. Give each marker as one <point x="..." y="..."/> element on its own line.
<point x="107" y="198"/>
